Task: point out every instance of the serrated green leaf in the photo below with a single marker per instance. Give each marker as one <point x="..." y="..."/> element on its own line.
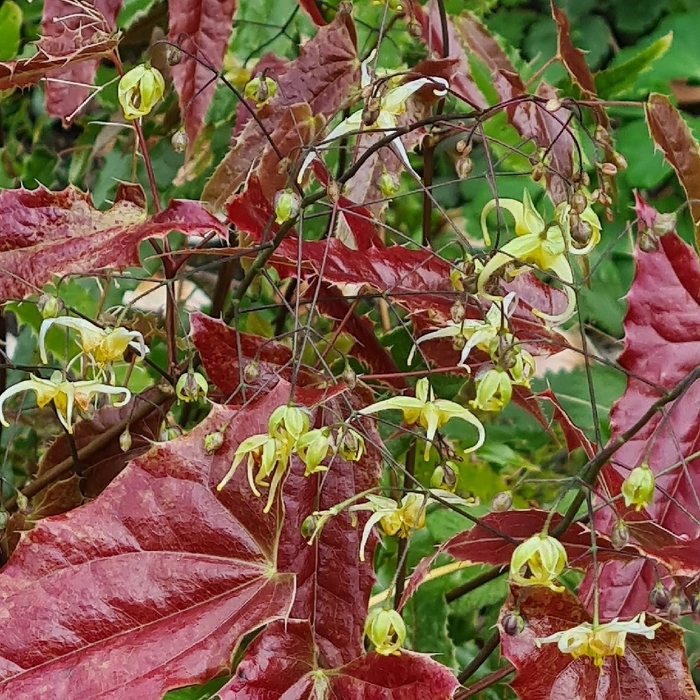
<point x="618" y="80"/>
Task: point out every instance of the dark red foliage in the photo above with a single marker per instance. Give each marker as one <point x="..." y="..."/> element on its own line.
<point x="72" y="34"/>
<point x="282" y="662"/>
<point x="45" y="234"/>
<point x="203" y="28"/>
<point x="650" y="668"/>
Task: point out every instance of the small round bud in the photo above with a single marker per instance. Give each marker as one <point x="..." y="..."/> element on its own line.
<point x="619" y="160"/>
<point x="308" y="526"/>
<point x="659" y="597"/>
<point x="179" y="141"/>
<point x="553" y="104"/>
<point x="620" y="535"/>
<point x="443" y="477"/>
<point x="513" y="624"/>
<point x="463" y="147"/>
<point x="260" y="89"/>
<point x="125" y="441"/>
<point x="251" y="371"/>
<point x="463" y="167"/>
<point x="349" y="377"/>
<point x="581" y="231"/>
<point x="602" y="137"/>
<point x="458" y="343"/>
<point x="648" y="242"/>
<point x="213" y="442"/>
<point x="173" y="55"/>
<point x="579" y="202"/>
<point x="50" y="306"/>
<point x="674" y="611"/>
<point x="502" y="501"/>
<point x="457" y="312"/>
<point x="287" y="204"/>
<point x="608" y="169"/>
<point x="538" y="172"/>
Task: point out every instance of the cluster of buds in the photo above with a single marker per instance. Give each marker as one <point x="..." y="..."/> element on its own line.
<point x="289" y="433"/>
<point x="100" y="349"/>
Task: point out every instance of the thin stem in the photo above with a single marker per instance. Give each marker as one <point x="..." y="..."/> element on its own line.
<point x="474" y="583"/>
<point x="402" y="549"/>
<point x="486" y="682"/>
<point x="475" y="664"/>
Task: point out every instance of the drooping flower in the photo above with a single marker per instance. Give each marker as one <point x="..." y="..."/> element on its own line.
<point x="476" y="333"/>
<point x="313" y="447"/>
<point x="382" y="110"/>
<point x="429" y="412"/>
<point x="386" y="630"/>
<point x="101" y="345"/>
<point x="599" y="641"/>
<point x="544" y="245"/>
<point x="638" y="487"/>
<point x="139" y="90"/>
<point x="66" y="395"/>
<point x="493" y="390"/>
<point x="191" y="386"/>
<point x="538" y="561"/>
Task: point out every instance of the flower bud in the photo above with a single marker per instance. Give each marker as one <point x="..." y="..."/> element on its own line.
<point x="674" y="611"/>
<point x="659" y="596"/>
<point x="457" y="312"/>
<point x="386" y="630"/>
<point x="513" y="624"/>
<point x="370" y="113"/>
<point x="287" y="203"/>
<point x="179" y="141"/>
<point x="663" y="223"/>
<point x="553" y="104"/>
<point x="213" y="442"/>
<point x="350" y="445"/>
<point x="444" y="478"/>
<point x="349" y="377"/>
<point x="173" y="55"/>
<point x="463" y="147"/>
<point x="251" y="371"/>
<point x="414" y="29"/>
<point x="608" y="169"/>
<point x="648" y="242"/>
<point x="638" y="487"/>
<point x="191" y="386"/>
<point x="463" y="167"/>
<point x="579" y="202"/>
<point x="619" y="160"/>
<point x="620" y="535"/>
<point x="50" y="306"/>
<point x="125" y="441"/>
<point x="308" y="526"/>
<point x="502" y="501"/>
<point x="261" y="90"/>
<point x="139" y="90"/>
<point x="388" y="184"/>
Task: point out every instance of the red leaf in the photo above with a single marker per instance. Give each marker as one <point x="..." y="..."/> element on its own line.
<point x="75" y="28"/>
<point x="312" y="8"/>
<point x="52" y="53"/>
<point x="461" y="83"/>
<point x="573" y="58"/>
<point x="650" y="668"/>
<point x="282" y="663"/>
<point x="150" y="586"/>
<point x="320" y="78"/>
<point x="203" y="28"/>
<point x="672" y="135"/>
<point x="45" y="233"/>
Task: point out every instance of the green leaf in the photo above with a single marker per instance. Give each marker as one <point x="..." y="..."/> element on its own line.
<point x="616" y="81"/>
<point x="10" y="28"/>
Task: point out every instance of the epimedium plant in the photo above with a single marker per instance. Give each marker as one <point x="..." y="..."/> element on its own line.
<point x="259" y="439"/>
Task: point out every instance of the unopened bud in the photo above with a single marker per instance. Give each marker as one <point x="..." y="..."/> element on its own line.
<point x="538" y="172"/>
<point x="388" y="184"/>
<point x="553" y="104"/>
<point x="674" y="611"/>
<point x="659" y="597"/>
<point x="457" y="312"/>
<point x="191" y="386"/>
<point x="213" y="442"/>
<point x="602" y="137"/>
<point x="287" y="204"/>
<point x="179" y="141"/>
<point x="513" y="624"/>
<point x="579" y="202"/>
<point x="173" y="55"/>
<point x="620" y="161"/>
<point x="581" y="231"/>
<point x="620" y="535"/>
<point x="308" y="526"/>
<point x="251" y="371"/>
<point x="443" y="477"/>
<point x="502" y="501"/>
<point x="261" y="90"/>
<point x="463" y="167"/>
<point x="50" y="306"/>
<point x="125" y="441"/>
<point x="648" y="242"/>
<point x="463" y="147"/>
<point x="608" y="169"/>
<point x="349" y="377"/>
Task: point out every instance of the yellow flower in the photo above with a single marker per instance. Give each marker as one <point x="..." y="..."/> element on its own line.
<point x="638" y="487"/>
<point x="381" y="111"/>
<point x="66" y="395"/>
<point x="261" y="90"/>
<point x="542" y="245"/>
<point x="478" y="334"/>
<point x="493" y="390"/>
<point x="139" y="90"/>
<point x="386" y="630"/>
<point x="313" y="448"/>
<point x="429" y="412"/>
<point x="102" y="345"/>
<point x="538" y="561"/>
<point x="599" y="641"/>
